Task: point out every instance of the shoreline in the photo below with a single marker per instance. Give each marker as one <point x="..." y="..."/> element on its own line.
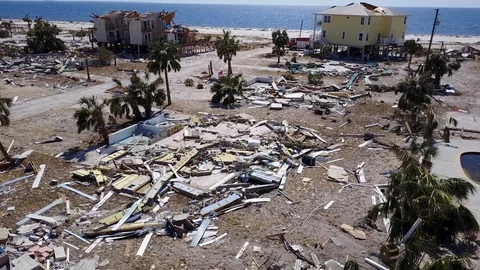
<point x="265" y="33"/>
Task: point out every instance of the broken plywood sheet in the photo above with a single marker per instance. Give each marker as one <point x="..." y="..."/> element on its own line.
<point x="276" y="106"/>
<point x="361" y="176"/>
<point x="294" y="96"/>
<point x="39" y="176"/>
<point x="24" y="262"/>
<point x="86" y="264"/>
<point x="225" y="158"/>
<point x="221" y="204"/>
<point x="333" y="265"/>
<point x="131" y="183"/>
<point x="357" y="234"/>
<point x="188" y="190"/>
<point x="208" y="181"/>
<point x="337" y="174"/>
<point x="113" y="156"/>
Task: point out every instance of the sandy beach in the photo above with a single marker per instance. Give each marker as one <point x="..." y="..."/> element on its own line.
<point x="256" y="35"/>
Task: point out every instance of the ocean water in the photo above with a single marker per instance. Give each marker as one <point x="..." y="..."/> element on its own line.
<point x="454" y="21"/>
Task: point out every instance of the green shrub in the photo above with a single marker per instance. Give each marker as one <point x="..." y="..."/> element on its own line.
<point x="315" y="78"/>
<point x="200" y="86"/>
<point x="4" y="33"/>
<point x="311" y="65"/>
<point x="189" y="82"/>
<point x="289" y="77"/>
<point x="105" y="56"/>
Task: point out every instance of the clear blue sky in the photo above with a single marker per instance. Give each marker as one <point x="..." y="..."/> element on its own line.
<point x="387" y="3"/>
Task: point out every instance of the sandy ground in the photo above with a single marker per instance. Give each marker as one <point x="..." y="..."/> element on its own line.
<point x="255" y="35"/>
<point x="41" y="117"/>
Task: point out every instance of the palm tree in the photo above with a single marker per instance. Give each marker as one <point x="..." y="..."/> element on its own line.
<point x="226" y="88"/>
<point x="140" y="93"/>
<point x="412" y="47"/>
<point x="439" y="65"/>
<point x="227" y="47"/>
<point x="7" y="25"/>
<point x="416" y="92"/>
<point x="446" y="130"/>
<point x="280" y="39"/>
<point x="151" y="94"/>
<point x="449" y="263"/>
<point x="5" y="104"/>
<point x="351" y="265"/>
<point x="413" y="255"/>
<point x="164" y="56"/>
<point x="414" y="192"/>
<point x="126" y="103"/>
<point x="28" y="20"/>
<point x="90" y="116"/>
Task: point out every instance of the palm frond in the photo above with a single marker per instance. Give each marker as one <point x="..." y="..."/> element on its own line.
<point x="449" y="262"/>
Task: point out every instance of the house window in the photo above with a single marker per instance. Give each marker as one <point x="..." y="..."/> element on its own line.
<point x="327" y="19"/>
<point x="152" y="24"/>
<point x="378" y="38"/>
<point x="324" y="34"/>
<point x="369" y="20"/>
<point x="403" y="35"/>
<point x="391" y="35"/>
<point x="111" y="34"/>
<point x="360" y="37"/>
<point x="366" y="37"/>
<point x="405" y="20"/>
<point x="343" y="35"/>
<point x="362" y="21"/>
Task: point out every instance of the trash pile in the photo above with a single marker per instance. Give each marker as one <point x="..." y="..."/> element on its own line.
<point x="46" y="64"/>
<point x="279" y="93"/>
<point x="337" y="68"/>
<point x="219" y="163"/>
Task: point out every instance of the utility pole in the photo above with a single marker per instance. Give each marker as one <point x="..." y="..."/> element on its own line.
<point x="301" y="28"/>
<point x="435" y="23"/>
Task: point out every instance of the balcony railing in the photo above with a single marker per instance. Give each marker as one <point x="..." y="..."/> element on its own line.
<point x="385" y="41"/>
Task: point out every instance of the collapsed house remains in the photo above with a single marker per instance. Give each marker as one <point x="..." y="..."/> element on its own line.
<point x="220" y="163"/>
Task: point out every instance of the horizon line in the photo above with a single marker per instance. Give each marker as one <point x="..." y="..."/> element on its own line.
<point x="222" y="4"/>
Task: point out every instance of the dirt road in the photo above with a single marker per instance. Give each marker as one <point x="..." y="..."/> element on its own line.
<point x="190" y="65"/>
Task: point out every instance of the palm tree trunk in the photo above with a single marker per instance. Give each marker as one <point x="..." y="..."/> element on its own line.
<point x="104" y="133"/>
<point x="136" y="112"/>
<point x="230" y="72"/>
<point x="278" y="58"/>
<point x="437" y="80"/>
<point x="4" y="152"/>
<point x="167" y="86"/>
<point x="148" y="112"/>
<point x="410" y="61"/>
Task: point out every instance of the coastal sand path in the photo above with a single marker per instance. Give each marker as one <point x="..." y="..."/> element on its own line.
<point x="190" y="65"/>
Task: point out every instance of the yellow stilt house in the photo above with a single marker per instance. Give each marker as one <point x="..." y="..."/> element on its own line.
<point x="361" y="27"/>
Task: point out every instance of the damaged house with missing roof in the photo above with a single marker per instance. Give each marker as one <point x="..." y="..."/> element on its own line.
<point x="137" y="30"/>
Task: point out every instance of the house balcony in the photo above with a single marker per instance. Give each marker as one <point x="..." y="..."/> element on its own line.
<point x="114" y="40"/>
<point x="146" y="29"/>
<point x="113" y="26"/>
<point x="391" y="41"/>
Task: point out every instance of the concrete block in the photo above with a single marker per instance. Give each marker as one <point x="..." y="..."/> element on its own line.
<point x="59" y="254"/>
<point x="25" y="262"/>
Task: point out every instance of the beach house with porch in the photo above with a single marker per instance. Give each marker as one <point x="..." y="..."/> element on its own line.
<point x="362" y="28"/>
<point x="131" y="28"/>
